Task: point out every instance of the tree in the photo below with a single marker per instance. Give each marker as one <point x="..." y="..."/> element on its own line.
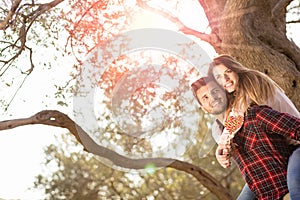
<point x="81" y="176"/>
<point x="254" y="32"/>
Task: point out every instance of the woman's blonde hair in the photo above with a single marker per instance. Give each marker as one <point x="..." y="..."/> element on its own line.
<point x="252" y="87"/>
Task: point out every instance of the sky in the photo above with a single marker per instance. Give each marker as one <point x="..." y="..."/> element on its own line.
<point x="22" y="149"/>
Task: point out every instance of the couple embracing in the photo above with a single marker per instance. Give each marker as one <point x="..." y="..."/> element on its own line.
<point x="256" y="125"/>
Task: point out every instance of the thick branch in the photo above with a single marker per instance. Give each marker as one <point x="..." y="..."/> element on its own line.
<point x="279" y="6"/>
<point x="8" y="17"/>
<point x="210" y="38"/>
<point x="291" y="50"/>
<point x="47" y="6"/>
<point x="58" y="119"/>
<point x="212" y="9"/>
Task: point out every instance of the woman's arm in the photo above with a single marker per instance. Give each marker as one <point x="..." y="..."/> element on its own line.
<point x="283" y="104"/>
<point x="279" y="123"/>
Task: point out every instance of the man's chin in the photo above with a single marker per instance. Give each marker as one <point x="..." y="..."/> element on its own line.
<point x="218" y="111"/>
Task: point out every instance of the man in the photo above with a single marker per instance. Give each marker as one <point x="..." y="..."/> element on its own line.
<point x="259" y="147"/>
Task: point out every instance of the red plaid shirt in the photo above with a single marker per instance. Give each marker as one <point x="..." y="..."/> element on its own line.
<point x="261" y="152"/>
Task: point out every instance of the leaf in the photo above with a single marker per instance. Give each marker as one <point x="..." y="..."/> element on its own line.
<point x="61" y="103"/>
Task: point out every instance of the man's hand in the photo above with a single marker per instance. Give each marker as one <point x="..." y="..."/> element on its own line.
<point x="223" y="155"/>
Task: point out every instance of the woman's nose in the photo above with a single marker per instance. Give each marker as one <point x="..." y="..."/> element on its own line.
<point x="226" y="77"/>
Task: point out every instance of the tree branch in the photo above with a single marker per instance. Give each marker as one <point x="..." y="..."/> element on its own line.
<point x="279" y="6"/>
<point x="4" y="23"/>
<point x="293" y="21"/>
<point x="288" y="48"/>
<point x="47" y="6"/>
<point x="42" y="8"/>
<point x="210" y="38"/>
<point x="58" y="119"/>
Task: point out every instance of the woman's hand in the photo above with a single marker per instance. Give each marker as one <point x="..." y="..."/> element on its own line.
<point x="223" y="155"/>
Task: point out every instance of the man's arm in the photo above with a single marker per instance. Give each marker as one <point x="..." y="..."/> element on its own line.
<point x="216" y="130"/>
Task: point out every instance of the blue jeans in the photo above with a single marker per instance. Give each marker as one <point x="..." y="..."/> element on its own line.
<point x="246" y="194"/>
<point x="293" y="179"/>
<point x="293" y="175"/>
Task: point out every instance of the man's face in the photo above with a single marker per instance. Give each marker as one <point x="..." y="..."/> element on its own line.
<point x="212" y="98"/>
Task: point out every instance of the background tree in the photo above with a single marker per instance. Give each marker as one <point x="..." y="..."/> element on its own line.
<point x="254" y="32"/>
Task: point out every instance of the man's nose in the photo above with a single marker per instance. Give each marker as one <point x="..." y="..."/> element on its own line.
<point x="213" y="95"/>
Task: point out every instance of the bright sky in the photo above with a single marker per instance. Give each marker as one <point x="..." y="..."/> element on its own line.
<point x="21" y="149"/>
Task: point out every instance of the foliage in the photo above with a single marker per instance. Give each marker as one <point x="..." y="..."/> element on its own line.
<point x="70" y="173"/>
<point x="78" y="175"/>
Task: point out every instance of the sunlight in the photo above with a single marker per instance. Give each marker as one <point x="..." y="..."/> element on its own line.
<point x="147" y="19"/>
<point x="150" y="168"/>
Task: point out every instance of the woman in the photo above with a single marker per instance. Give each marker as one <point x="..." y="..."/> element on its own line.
<point x="236" y="79"/>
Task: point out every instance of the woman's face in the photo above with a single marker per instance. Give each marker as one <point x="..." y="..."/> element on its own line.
<point x="226" y="77"/>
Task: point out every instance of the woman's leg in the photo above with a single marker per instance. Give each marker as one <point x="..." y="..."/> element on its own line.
<point x="246" y="194"/>
<point x="293" y="175"/>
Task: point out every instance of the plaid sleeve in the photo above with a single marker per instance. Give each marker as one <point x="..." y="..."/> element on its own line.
<point x="279" y="123"/>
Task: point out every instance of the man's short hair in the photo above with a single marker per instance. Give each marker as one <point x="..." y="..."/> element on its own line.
<point x="203" y="81"/>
